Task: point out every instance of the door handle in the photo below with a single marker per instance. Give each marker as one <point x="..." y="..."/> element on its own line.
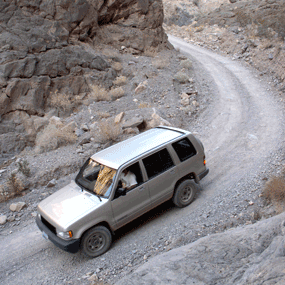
<point x="141" y="189"/>
<point x="172" y="171"/>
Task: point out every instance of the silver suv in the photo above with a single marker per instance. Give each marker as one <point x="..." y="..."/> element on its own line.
<point x="120" y="183"/>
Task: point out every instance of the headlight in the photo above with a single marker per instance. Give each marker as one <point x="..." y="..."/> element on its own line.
<point x="65" y="235"/>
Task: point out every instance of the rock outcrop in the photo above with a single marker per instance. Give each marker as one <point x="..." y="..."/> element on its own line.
<point x="252" y="254"/>
<point x="47" y="50"/>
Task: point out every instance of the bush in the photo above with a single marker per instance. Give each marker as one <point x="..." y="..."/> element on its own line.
<point x="99" y="93"/>
<point x="60" y="101"/>
<point x="52" y="137"/>
<point x="15" y="186"/>
<point x="274" y="192"/>
<point x="116" y="93"/>
<point x="23" y="166"/>
<point x="108" y="131"/>
<point x="117" y="66"/>
<point x="120" y="80"/>
<point x="160" y="63"/>
<point x="181" y="77"/>
<point x="187" y="63"/>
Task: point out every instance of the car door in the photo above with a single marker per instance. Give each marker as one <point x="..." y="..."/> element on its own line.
<point x="135" y="202"/>
<point x="162" y="176"/>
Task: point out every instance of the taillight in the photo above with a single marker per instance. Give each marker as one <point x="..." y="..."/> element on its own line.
<point x="204" y="160"/>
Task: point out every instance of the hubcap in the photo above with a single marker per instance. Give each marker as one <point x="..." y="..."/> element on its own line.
<point x="95" y="242"/>
<point x="186" y="194"/>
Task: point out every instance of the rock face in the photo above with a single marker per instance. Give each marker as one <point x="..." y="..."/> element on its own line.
<point x="46" y="51"/>
<point x="252" y="254"/>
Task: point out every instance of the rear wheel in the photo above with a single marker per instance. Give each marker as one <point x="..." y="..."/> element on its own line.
<point x="184" y="193"/>
<point x="96" y="241"/>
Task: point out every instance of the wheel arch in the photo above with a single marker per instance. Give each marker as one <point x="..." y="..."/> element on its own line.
<point x="190" y="176"/>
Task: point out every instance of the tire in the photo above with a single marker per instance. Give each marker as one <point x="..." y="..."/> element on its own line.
<point x="96" y="241"/>
<point x="184" y="193"/>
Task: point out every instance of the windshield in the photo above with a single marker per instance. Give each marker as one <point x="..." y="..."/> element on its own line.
<point x="96" y="178"/>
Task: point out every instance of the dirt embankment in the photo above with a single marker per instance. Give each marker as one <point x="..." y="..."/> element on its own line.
<point x="252" y="31"/>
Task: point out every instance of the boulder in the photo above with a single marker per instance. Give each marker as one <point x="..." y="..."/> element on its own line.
<point x="3" y="219"/>
<point x="17" y="207"/>
<point x="252" y="254"/>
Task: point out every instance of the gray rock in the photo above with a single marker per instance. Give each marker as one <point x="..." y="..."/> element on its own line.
<point x="133" y="122"/>
<point x="247" y="255"/>
<point x="51" y="183"/>
<point x="3" y="219"/>
<point x="17" y="207"/>
<point x="270" y="56"/>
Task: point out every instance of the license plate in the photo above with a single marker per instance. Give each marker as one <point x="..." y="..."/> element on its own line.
<point x="45" y="236"/>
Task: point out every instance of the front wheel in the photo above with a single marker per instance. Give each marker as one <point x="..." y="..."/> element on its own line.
<point x="96" y="241"/>
<point x="184" y="193"/>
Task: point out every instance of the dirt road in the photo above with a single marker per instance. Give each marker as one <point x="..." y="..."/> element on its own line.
<point x="242" y="132"/>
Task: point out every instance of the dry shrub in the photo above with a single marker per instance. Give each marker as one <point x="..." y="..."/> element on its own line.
<point x="99" y="93"/>
<point x="23" y="166"/>
<point x="160" y="63"/>
<point x="150" y="52"/>
<point x="143" y="105"/>
<point x="52" y="137"/>
<point x="187" y="63"/>
<point x="60" y="101"/>
<point x="109" y="131"/>
<point x="120" y="80"/>
<point x="117" y="66"/>
<point x="15" y="185"/>
<point x="116" y="93"/>
<point x="181" y="77"/>
<point x="103" y="114"/>
<point x="274" y="191"/>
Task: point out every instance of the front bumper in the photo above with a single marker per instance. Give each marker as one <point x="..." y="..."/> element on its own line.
<point x="71" y="246"/>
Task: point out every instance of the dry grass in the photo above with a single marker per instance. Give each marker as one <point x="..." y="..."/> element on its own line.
<point x="99" y="93"/>
<point x="60" y="101"/>
<point x="150" y="52"/>
<point x="117" y="66"/>
<point x="181" y="77"/>
<point x="23" y="166"/>
<point x="116" y="93"/>
<point x="143" y="105"/>
<point x="103" y="115"/>
<point x="108" y="131"/>
<point x="52" y="137"/>
<point x="15" y="185"/>
<point x="120" y="80"/>
<point x="187" y="63"/>
<point x="160" y="62"/>
<point x="274" y="192"/>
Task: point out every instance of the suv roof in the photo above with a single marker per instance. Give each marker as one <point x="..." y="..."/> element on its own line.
<point x="122" y="152"/>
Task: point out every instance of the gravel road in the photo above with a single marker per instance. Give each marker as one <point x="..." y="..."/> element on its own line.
<point x="242" y="129"/>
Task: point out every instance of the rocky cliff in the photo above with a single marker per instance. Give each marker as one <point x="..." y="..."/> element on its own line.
<point x="52" y="47"/>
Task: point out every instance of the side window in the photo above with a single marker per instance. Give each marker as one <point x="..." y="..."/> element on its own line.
<point x="157" y="163"/>
<point x="184" y="149"/>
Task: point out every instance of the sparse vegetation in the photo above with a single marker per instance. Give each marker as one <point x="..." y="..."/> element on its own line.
<point x="99" y="93"/>
<point x="109" y="131"/>
<point x="181" y="77"/>
<point x="23" y="166"/>
<point x="53" y="137"/>
<point x="60" y="101"/>
<point x="160" y="62"/>
<point x="116" y="93"/>
<point x="120" y="80"/>
<point x="117" y="66"/>
<point x="15" y="186"/>
<point x="187" y="63"/>
<point x="144" y="105"/>
<point x="274" y="192"/>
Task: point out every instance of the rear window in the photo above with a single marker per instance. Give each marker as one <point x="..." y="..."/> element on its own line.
<point x="184" y="149"/>
<point x="157" y="163"/>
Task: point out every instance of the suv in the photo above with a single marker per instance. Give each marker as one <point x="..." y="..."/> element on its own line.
<point x="119" y="184"/>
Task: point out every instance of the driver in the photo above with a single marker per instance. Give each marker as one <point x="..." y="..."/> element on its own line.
<point x="128" y="179"/>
